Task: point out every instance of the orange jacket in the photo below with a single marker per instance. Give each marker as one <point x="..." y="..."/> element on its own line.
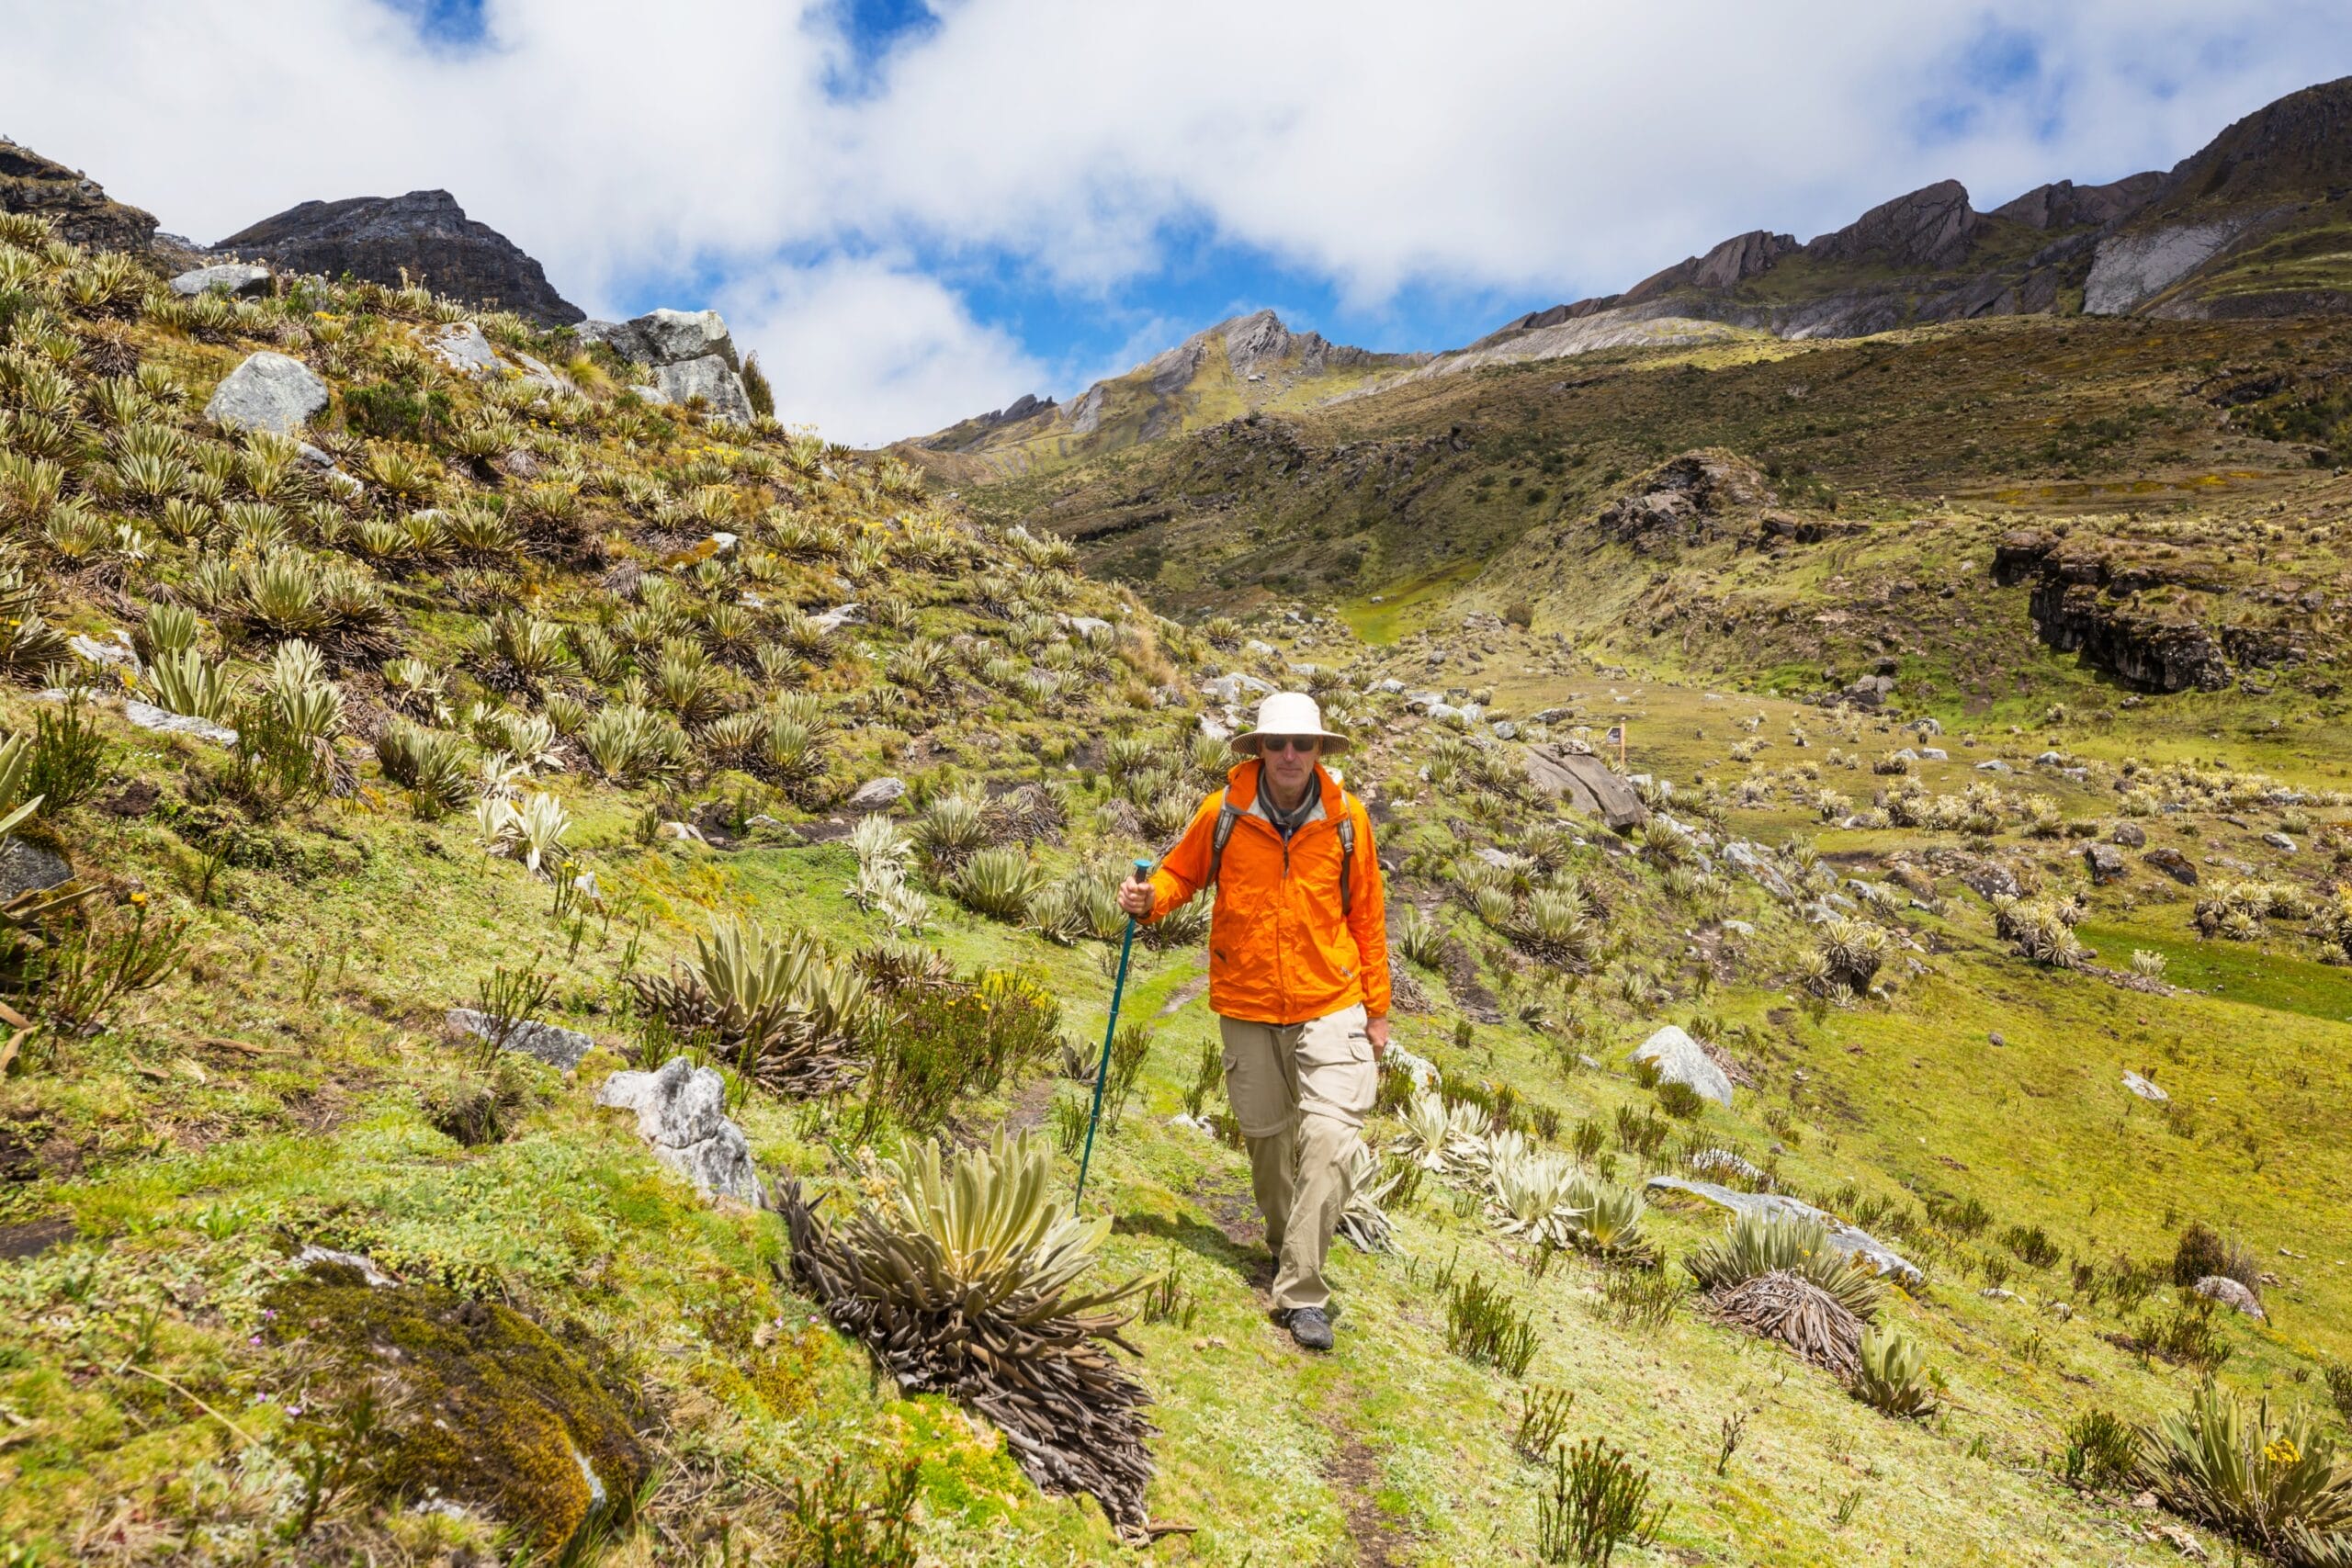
<point x="1280" y="952"/>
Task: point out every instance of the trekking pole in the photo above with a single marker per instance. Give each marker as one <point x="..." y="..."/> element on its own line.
<point x="1103" y="1063"/>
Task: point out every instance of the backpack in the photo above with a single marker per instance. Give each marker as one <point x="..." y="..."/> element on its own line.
<point x="1227" y="814"/>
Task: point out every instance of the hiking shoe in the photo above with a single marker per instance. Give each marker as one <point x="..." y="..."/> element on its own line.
<point x="1311" y="1326"/>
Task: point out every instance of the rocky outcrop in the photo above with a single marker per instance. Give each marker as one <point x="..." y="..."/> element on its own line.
<point x="682" y="1112"/>
<point x="1258" y="344"/>
<point x="690" y="354"/>
<point x="2121" y="614"/>
<point x="1928" y="229"/>
<point x="77" y="206"/>
<point x="2066" y="205"/>
<point x="2130" y="269"/>
<point x="269" y="392"/>
<point x="424" y="237"/>
<point x="1684" y="500"/>
<point x="1849" y="1239"/>
<point x="1730" y="264"/>
<point x="550" y="1043"/>
<point x="228" y="277"/>
<point x="971" y="433"/>
<point x="1583" y="783"/>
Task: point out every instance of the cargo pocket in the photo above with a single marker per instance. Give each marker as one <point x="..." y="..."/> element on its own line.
<point x="1337" y="1076"/>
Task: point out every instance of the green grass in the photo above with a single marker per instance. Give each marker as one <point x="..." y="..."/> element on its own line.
<point x="2234" y="972"/>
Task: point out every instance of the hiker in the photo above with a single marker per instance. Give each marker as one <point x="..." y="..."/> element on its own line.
<point x="1298" y="976"/>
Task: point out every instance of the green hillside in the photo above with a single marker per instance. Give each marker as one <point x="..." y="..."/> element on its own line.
<point x="562" y="706"/>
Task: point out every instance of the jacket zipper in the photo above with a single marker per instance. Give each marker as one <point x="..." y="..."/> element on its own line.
<point x="1281" y="982"/>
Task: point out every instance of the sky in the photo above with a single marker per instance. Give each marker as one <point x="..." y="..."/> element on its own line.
<point x="916" y="210"/>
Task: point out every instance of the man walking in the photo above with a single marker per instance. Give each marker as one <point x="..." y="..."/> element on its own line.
<point x="1298" y="976"/>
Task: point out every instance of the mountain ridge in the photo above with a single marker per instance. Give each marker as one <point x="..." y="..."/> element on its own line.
<point x="2192" y="241"/>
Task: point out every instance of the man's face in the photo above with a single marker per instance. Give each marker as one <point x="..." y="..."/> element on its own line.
<point x="1289" y="768"/>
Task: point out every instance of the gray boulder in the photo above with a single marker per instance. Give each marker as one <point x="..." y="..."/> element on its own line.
<point x="1755" y="863"/>
<point x="1682" y="1060"/>
<point x="1992" y="765"/>
<point x="268" y="391"/>
<point x="666" y="337"/>
<point x="230" y="277"/>
<point x="2280" y="841"/>
<point x="875" y="795"/>
<point x="2131" y="835"/>
<point x="549" y="1043"/>
<point x="709" y="379"/>
<point x="2105" y="863"/>
<point x="682" y="1112"/>
<point x="1584" y="783"/>
<point x="147" y="716"/>
<point x="27" y="867"/>
<point x="2230" y="1293"/>
<point x="2172" y="863"/>
<point x="463" y="347"/>
<point x="1846" y="1238"/>
<point x="97" y="651"/>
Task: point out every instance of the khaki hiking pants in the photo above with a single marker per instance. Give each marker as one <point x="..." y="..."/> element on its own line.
<point x="1300" y="1092"/>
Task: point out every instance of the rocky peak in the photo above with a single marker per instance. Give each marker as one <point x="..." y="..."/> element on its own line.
<point x="1735" y="261"/>
<point x="424" y="234"/>
<point x="2066" y="205"/>
<point x="1932" y="227"/>
<point x="2300" y="146"/>
<point x="76" y="205"/>
<point x="1258" y="342"/>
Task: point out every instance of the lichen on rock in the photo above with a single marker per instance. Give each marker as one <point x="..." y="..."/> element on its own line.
<point x="484" y="1406"/>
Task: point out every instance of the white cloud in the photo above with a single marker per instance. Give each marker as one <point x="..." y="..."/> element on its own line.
<point x="869" y="350"/>
<point x="1529" y="146"/>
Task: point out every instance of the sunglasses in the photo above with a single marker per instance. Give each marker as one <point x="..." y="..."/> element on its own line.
<point x="1307" y="743"/>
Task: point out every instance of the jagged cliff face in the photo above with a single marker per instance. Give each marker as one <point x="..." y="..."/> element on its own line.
<point x="77" y="204"/>
<point x="424" y="235"/>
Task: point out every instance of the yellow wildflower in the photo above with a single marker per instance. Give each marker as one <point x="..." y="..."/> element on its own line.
<point x="2281" y="1450"/>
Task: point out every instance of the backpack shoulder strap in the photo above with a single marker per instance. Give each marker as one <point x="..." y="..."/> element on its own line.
<point x="1227" y="814"/>
<point x="1347" y="857"/>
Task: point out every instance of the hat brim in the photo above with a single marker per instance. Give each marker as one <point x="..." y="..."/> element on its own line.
<point x="1246" y="743"/>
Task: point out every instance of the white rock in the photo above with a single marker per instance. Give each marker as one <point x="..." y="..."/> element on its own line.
<point x="268" y="391"/>
<point x="2230" y="1293"/>
<point x="875" y="793"/>
<point x="464" y="347"/>
<point x="228" y="277"/>
<point x="147" y="716"/>
<point x="1846" y="1238"/>
<point x="712" y="379"/>
<point x="96" y="652"/>
<point x="682" y="1112"/>
<point x="1682" y="1060"/>
<point x="837" y="617"/>
<point x="549" y="1043"/>
<point x="2145" y="1088"/>
<point x="2280" y="841"/>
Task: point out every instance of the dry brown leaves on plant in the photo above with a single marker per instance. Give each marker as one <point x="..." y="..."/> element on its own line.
<point x="1799" y="1314"/>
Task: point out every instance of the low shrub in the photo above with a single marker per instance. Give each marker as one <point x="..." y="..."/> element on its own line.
<point x="1486" y="1325"/>
<point x="1597" y="1501"/>
<point x="2101" y="1452"/>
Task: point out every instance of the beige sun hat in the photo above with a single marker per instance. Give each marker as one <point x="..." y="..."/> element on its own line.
<point x="1289" y="712"/>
